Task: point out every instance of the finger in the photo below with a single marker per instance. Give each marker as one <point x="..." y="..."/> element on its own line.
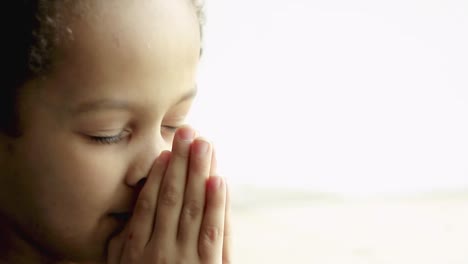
<point x="227" y="236"/>
<point x="194" y="199"/>
<point x="142" y="221"/>
<point x="214" y="163"/>
<point x="173" y="187"/>
<point x="211" y="231"/>
<point x="227" y="239"/>
<point x="116" y="245"/>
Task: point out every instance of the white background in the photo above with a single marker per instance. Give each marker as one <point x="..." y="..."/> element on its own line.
<point x="352" y="97"/>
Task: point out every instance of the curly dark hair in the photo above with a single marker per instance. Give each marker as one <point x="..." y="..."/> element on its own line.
<point x="30" y="33"/>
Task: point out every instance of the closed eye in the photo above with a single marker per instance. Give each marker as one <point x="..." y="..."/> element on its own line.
<point x="110" y="139"/>
<point x="171" y="129"/>
<point x="106" y="140"/>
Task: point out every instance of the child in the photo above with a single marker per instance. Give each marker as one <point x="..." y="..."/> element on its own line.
<point x="94" y="94"/>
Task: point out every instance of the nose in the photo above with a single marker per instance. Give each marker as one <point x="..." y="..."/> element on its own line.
<point x="142" y="160"/>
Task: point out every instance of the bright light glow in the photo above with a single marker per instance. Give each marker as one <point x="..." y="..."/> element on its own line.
<point x="355" y="97"/>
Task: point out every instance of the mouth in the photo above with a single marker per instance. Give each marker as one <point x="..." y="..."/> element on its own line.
<point x="121" y="217"/>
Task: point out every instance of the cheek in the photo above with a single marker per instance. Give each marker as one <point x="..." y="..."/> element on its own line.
<point x="67" y="175"/>
<point x="70" y="190"/>
<point x="64" y="170"/>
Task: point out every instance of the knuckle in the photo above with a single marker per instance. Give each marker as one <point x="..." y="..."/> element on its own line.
<point x="208" y="238"/>
<point x="192" y="209"/>
<point x="169" y="196"/>
<point x="211" y="233"/>
<point x="143" y="205"/>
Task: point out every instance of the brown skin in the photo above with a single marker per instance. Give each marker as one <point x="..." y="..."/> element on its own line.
<point x="129" y="71"/>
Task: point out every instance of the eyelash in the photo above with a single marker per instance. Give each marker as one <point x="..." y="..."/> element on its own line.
<point x="107" y="140"/>
<point x="171" y="129"/>
<point x="117" y="138"/>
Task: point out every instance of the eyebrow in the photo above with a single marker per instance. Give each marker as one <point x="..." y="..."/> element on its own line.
<point x="112" y="104"/>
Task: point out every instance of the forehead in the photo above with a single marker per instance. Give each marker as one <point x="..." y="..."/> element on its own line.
<point x="129" y="44"/>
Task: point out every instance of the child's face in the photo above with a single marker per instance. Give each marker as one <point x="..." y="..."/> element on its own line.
<point x="127" y="76"/>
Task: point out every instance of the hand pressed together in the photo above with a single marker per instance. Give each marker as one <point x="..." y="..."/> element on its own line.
<point x="182" y="212"/>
